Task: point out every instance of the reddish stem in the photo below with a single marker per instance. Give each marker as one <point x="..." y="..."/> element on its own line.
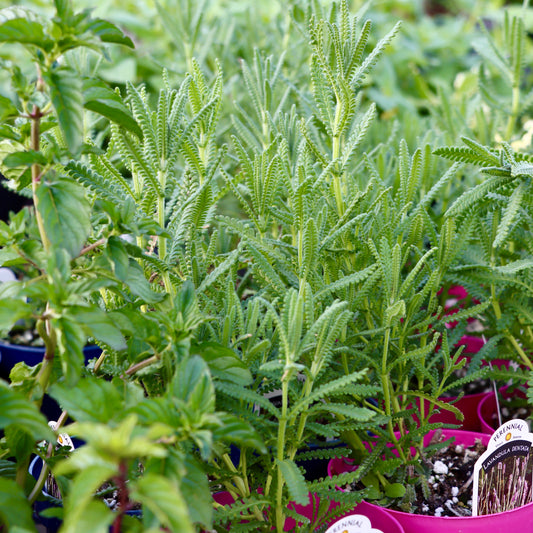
<point x="124" y="497"/>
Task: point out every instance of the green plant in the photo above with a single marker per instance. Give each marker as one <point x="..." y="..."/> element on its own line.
<point x="42" y="126"/>
<point x="256" y="227"/>
<point x="296" y="367"/>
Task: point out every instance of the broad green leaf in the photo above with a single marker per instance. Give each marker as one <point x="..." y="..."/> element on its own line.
<point x="235" y="431"/>
<point x="102" y="100"/>
<point x="92" y="400"/>
<point x="119" y="256"/>
<point x="109" y="443"/>
<point x="27" y="158"/>
<point x="29" y="32"/>
<point x="164" y="500"/>
<point x="94" y="517"/>
<point x="63" y="8"/>
<point x="224" y="363"/>
<point x="79" y="504"/>
<point x="354" y="412"/>
<point x="192" y="384"/>
<point x="15" y="510"/>
<point x="65" y="210"/>
<point x="19" y="412"/>
<point x="139" y="285"/>
<point x="98" y="325"/>
<point x="395" y="490"/>
<point x="7" y="109"/>
<point x="70" y="340"/>
<point x="11" y="310"/>
<point x="8" y="469"/>
<point x="107" y="32"/>
<point x="295" y="481"/>
<point x="67" y="98"/>
<point x="20" y="444"/>
<point x="194" y="487"/>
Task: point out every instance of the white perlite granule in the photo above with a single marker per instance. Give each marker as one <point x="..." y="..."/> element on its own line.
<point x="440" y="468"/>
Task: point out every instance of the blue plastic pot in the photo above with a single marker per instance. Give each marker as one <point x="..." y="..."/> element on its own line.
<point x="53" y="524"/>
<point x="11" y="354"/>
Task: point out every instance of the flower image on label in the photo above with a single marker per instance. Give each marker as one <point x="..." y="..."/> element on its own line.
<point x="502" y="473"/>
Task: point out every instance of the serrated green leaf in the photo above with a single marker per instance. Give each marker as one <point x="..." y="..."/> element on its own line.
<point x="107" y="32"/>
<point x="98" y="325"/>
<point x="360" y="414"/>
<point x="30" y="32"/>
<point x="92" y="400"/>
<point x="67" y="98"/>
<point x="295" y="480"/>
<point x="192" y="384"/>
<point x="93" y="517"/>
<point x="164" y="500"/>
<point x="224" y="363"/>
<point x="139" y="285"/>
<point x="70" y="341"/>
<point x="81" y="512"/>
<point x="15" y="510"/>
<point x="19" y="412"/>
<point x="27" y="158"/>
<point x="65" y="210"/>
<point x="100" y="99"/>
<point x="11" y="310"/>
<point x="233" y="430"/>
<point x="194" y="487"/>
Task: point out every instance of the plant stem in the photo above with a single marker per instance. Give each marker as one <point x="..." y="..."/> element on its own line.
<point x="336" y="150"/>
<point x="387" y="394"/>
<point x="514" y="111"/>
<point x="38" y="487"/>
<point x="124" y="497"/>
<point x="35" y="135"/>
<point x="280" y="515"/>
<point x="142" y="364"/>
<point x="520" y="351"/>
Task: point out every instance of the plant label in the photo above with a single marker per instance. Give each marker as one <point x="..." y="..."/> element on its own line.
<point x="354" y="523"/>
<point x="63" y="439"/>
<point x="7" y="274"/>
<point x="503" y="474"/>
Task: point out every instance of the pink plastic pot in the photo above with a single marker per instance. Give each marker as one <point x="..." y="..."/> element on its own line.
<point x="486" y="410"/>
<point x="308" y="511"/>
<point x="520" y="519"/>
<point x="378" y="517"/>
<point x="468" y="405"/>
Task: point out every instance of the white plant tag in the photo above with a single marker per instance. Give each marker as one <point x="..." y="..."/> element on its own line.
<point x="7" y="274"/>
<point x="354" y="523"/>
<point x="63" y="439"/>
<point x="503" y="473"/>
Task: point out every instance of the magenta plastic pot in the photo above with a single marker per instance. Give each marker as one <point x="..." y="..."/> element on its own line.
<point x="486" y="410"/>
<point x="517" y="520"/>
<point x="308" y="511"/>
<point x="378" y="517"/>
<point x="468" y="405"/>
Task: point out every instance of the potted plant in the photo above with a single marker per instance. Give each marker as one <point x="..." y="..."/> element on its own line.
<point x="279" y="258"/>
